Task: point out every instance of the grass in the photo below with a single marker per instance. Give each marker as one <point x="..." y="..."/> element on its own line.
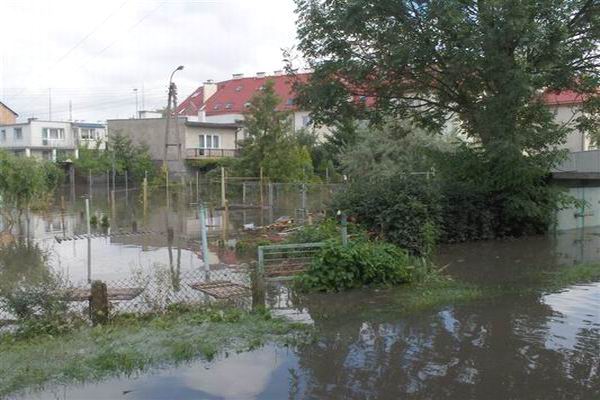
<point x="134" y="344"/>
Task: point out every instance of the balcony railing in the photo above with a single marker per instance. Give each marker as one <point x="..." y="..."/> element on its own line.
<point x="211" y="153"/>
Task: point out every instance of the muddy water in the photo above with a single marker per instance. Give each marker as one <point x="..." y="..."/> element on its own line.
<point x="534" y="346"/>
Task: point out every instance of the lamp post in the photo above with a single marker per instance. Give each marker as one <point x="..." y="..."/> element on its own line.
<point x="136" y="103"/>
<point x="170" y="97"/>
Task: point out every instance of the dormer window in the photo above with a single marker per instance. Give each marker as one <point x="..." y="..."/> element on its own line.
<point x="228" y="106"/>
<point x="238" y="89"/>
<point x="247" y="105"/>
<point x="216" y="106"/>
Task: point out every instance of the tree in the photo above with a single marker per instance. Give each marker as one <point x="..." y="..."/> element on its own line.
<point x="271" y="144"/>
<point x="484" y="65"/>
<point x="121" y="153"/>
<point x="25" y="183"/>
<point x="394" y="148"/>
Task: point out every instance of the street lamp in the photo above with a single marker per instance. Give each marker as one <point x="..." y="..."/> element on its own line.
<point x="136" y="103"/>
<point x="172" y="95"/>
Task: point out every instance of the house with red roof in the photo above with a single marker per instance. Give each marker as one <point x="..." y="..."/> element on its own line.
<point x="226" y="101"/>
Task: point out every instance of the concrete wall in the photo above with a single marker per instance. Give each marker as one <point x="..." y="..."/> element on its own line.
<point x="151" y="132"/>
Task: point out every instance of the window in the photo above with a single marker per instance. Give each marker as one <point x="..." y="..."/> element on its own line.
<point x="209" y="141"/>
<point x="229" y="106"/>
<point x="216" y="107"/>
<point x="18" y="132"/>
<point x="53" y="134"/>
<point x="88" y="133"/>
<point x="247" y="105"/>
<point x="238" y="89"/>
<point x="290" y="102"/>
<point x="305" y="120"/>
<point x="3" y="135"/>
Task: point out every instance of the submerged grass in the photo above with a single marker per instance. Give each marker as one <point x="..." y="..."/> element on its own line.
<point x="134" y="344"/>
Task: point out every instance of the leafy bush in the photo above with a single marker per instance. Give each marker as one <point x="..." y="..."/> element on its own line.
<point x="327" y="229"/>
<point x="31" y="293"/>
<point x="402" y="209"/>
<point x="357" y="264"/>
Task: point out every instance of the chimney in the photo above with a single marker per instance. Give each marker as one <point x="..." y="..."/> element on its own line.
<point x="209" y="88"/>
<point x="278" y="72"/>
<point x="238" y="76"/>
<point x="260" y="74"/>
<point x="202" y="115"/>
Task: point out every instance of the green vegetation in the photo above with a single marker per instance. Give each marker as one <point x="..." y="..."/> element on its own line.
<point x="411" y="66"/>
<point x="26" y="183"/>
<point x="133" y="344"/>
<point x="361" y="263"/>
<point x="120" y="153"/>
<point x="271" y="143"/>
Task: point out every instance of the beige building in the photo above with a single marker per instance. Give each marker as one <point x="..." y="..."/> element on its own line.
<point x="7" y="116"/>
<point x="192" y="140"/>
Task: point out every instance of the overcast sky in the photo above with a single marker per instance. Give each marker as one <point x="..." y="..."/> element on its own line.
<point x="94" y="53"/>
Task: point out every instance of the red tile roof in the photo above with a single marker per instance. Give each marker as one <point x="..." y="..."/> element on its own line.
<point x="566" y="97"/>
<point x="232" y="95"/>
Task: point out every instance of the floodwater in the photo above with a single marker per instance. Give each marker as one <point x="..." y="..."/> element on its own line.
<point x="528" y="346"/>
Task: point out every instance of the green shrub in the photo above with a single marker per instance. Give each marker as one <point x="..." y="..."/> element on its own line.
<point x="357" y="264"/>
<point x="401" y="209"/>
<point x="327" y="229"/>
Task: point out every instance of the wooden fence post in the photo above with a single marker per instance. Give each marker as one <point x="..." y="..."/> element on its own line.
<point x="99" y="303"/>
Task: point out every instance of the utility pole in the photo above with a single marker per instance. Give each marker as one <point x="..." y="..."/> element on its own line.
<point x="49" y="104"/>
<point x="172" y="92"/>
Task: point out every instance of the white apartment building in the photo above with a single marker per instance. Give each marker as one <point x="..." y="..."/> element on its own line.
<point x="50" y="140"/>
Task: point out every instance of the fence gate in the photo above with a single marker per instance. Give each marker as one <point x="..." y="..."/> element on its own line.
<point x="283" y="261"/>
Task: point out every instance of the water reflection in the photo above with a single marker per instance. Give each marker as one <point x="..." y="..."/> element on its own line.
<point x="534" y="347"/>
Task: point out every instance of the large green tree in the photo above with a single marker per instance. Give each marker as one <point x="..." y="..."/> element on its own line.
<point x="482" y="65"/>
<point x="484" y="62"/>
<point x="271" y="143"/>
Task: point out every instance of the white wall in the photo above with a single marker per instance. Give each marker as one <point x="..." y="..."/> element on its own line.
<point x="10" y="141"/>
<point x="36" y="135"/>
<point x="226" y="137"/>
<point x="567" y="114"/>
<point x="225" y="118"/>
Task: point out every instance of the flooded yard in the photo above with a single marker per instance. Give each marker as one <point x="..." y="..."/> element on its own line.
<point x="542" y="345"/>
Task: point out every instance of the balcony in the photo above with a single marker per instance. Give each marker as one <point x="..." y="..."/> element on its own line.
<point x="210" y="153"/>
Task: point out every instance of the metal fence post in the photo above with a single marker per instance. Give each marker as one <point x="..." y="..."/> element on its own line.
<point x="223" y="197"/>
<point x="203" y="236"/>
<point x="260" y="267"/>
<point x="89" y="240"/>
